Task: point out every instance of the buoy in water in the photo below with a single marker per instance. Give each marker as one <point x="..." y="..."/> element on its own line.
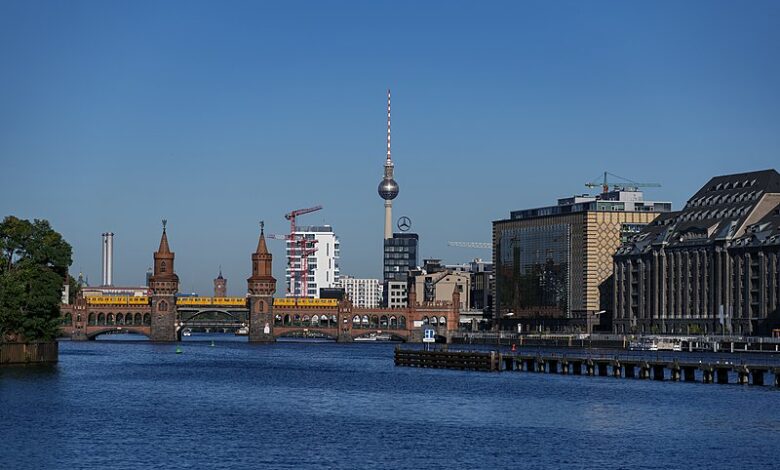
<point x="178" y="350"/>
<point x="212" y="343"/>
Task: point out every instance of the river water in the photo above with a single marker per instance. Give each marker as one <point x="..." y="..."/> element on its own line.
<point x="134" y="404"/>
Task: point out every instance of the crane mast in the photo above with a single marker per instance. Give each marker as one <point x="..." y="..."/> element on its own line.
<point x="299" y="248"/>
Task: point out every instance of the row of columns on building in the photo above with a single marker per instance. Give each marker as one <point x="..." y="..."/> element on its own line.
<point x="695" y="284"/>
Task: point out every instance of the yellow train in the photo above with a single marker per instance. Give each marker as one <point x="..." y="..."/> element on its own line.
<point x="306" y="303"/>
<point x="117" y="300"/>
<point x="221" y="301"/>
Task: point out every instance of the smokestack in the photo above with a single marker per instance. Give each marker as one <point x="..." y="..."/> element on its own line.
<point x="104" y="258"/>
<point x="110" y="263"/>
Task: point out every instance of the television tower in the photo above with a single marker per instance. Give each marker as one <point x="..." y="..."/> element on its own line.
<point x="388" y="188"/>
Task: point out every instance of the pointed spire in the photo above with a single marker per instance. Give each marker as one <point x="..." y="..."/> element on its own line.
<point x="389" y="158"/>
<point x="261" y="247"/>
<point x="220" y="272"/>
<point x="164" y="248"/>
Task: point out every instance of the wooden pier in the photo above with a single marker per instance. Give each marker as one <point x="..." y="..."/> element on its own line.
<point x="620" y="366"/>
<point x="442" y="359"/>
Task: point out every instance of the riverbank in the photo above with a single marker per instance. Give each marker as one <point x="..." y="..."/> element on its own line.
<point x="33" y="352"/>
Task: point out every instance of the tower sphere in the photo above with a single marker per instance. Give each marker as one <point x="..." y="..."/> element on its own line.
<point x="388" y="189"/>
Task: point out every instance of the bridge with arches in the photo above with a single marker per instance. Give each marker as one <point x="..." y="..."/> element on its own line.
<point x="87" y="319"/>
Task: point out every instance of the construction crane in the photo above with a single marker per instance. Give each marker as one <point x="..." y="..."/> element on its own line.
<point x="630" y="186"/>
<point x="299" y="248"/>
<point x="292" y="215"/>
<point x="478" y="245"/>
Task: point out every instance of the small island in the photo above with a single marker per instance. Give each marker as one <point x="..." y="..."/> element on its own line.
<point x="34" y="261"/>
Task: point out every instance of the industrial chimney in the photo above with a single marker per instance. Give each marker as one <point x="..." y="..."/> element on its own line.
<point x="108" y="259"/>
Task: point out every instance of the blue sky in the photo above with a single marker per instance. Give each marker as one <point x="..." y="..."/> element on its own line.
<point x="214" y="115"/>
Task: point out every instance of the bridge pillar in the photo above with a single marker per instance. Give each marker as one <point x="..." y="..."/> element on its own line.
<point x="261" y="287"/>
<point x="164" y="284"/>
<point x="261" y="320"/>
<point x="344" y="337"/>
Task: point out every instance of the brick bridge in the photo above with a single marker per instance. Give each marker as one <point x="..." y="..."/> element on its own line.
<point x="162" y="315"/>
<point x="84" y="320"/>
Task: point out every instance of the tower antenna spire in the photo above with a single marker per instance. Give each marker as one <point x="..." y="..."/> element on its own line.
<point x="389" y="158"/>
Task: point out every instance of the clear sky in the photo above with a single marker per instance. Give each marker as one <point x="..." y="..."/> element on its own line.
<point x="214" y="115"/>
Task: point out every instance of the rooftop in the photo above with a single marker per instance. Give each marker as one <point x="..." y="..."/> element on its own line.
<point x="612" y="201"/>
<point x="729" y="208"/>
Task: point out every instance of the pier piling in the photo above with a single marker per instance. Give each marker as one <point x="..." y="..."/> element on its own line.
<point x="601" y="366"/>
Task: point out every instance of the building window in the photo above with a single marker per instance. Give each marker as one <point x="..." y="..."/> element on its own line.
<point x="162" y="266"/>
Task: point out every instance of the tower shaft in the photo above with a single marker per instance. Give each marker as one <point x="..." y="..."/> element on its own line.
<point x="388" y="219"/>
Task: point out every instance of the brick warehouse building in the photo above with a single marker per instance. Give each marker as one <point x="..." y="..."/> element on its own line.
<point x="711" y="268"/>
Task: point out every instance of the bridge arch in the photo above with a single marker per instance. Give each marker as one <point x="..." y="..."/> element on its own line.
<point x="301" y="331"/>
<point x="94" y="333"/>
<point x="228" y="313"/>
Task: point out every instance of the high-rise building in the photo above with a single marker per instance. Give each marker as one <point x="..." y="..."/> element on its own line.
<point x="711" y="268"/>
<point x="401" y="256"/>
<point x="363" y="293"/>
<point x="323" y="264"/>
<point x="553" y="265"/>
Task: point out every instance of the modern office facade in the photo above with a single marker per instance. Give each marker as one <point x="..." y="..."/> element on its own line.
<point x="552" y="263"/>
<point x="400" y="257"/>
<point x="323" y="264"/>
<point x="363" y="293"/>
<point x="711" y="268"/>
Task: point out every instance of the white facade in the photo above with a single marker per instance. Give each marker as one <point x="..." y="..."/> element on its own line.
<point x="364" y="293"/>
<point x="397" y="295"/>
<point x="323" y="264"/>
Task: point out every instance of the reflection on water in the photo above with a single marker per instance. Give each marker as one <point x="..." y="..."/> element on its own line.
<point x="124" y="403"/>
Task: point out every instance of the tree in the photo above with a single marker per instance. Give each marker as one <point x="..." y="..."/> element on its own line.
<point x="34" y="262"/>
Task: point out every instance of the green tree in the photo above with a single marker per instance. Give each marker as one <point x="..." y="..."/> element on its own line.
<point x="34" y="262"/>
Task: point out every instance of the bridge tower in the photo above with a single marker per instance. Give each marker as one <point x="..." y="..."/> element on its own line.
<point x="261" y="287"/>
<point x="164" y="285"/>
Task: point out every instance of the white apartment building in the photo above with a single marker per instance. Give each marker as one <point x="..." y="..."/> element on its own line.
<point x="364" y="293"/>
<point x="323" y="268"/>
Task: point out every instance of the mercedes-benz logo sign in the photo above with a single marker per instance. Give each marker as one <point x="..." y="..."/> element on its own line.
<point x="404" y="224"/>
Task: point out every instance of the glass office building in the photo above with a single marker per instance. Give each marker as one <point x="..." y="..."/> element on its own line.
<point x="553" y="265"/>
<point x="401" y="255"/>
<point x="535" y="264"/>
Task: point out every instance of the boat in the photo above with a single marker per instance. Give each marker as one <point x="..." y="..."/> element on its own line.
<point x="186" y="332"/>
<point x="243" y="331"/>
<point x="375" y="337"/>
